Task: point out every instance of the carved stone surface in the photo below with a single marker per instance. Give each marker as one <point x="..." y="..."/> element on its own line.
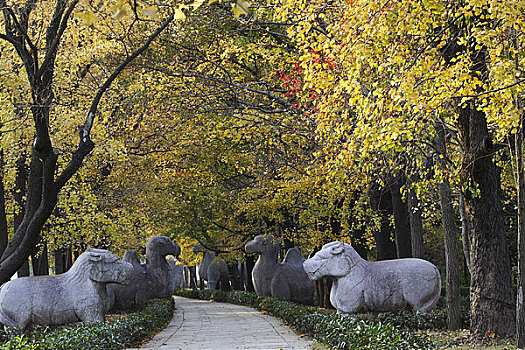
<point x="212" y="269"/>
<point x="387" y="285"/>
<point x="76" y="295"/>
<point x="152" y="280"/>
<point x="178" y="275"/>
<point x="286" y="280"/>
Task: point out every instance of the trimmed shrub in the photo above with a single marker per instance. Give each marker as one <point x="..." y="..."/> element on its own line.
<point x="119" y="334"/>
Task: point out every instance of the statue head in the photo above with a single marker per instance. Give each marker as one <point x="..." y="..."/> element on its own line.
<point x="104" y="267"/>
<point x="262" y="244"/>
<point x="162" y="246"/>
<point x="335" y="259"/>
<point x="199" y="248"/>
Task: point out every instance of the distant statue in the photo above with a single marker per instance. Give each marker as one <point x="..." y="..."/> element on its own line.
<point x="178" y="274"/>
<point x="212" y="269"/>
<point x="76" y="295"/>
<point x="387" y="285"/>
<point x="152" y="280"/>
<point x="286" y="280"/>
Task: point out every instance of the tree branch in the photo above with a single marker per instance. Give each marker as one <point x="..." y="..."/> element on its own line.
<point x="94" y="105"/>
<point x="23" y="32"/>
<point x="85" y="145"/>
<point x="494" y="90"/>
<point x="51" y="50"/>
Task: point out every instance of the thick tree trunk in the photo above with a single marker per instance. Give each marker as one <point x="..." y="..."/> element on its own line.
<point x="450" y="232"/>
<point x="416" y="225"/>
<point x="18" y="209"/>
<point x="401" y="220"/>
<point x="492" y="302"/>
<point x="41" y="200"/>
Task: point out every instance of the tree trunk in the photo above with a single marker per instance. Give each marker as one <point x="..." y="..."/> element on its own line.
<point x="59" y="261"/>
<point x="250" y="263"/>
<point x="448" y="218"/>
<point x="4" y="234"/>
<point x="43" y="186"/>
<point x="381" y="201"/>
<point x="18" y="209"/>
<point x="491" y="297"/>
<point x="416" y="225"/>
<point x="23" y="271"/>
<point x="358" y="243"/>
<point x="401" y="220"/>
<point x="323" y="287"/>
<point x="520" y="309"/>
<point x="193" y="277"/>
<point x="41" y="200"/>
<point x="466" y="230"/>
<point x="39" y="260"/>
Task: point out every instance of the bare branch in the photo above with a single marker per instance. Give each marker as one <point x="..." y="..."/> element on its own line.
<point x="51" y="50"/>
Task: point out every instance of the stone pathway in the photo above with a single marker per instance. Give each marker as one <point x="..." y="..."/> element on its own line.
<point x="199" y="325"/>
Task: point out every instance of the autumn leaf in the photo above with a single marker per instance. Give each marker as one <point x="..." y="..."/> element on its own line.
<point x="119" y="13"/>
<point x="152" y="12"/>
<point x="241" y="8"/>
<point x="179" y="15"/>
<point x="198" y="3"/>
<point x="88" y="17"/>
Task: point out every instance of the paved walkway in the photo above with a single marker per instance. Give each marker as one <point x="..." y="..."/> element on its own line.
<point x="199" y="325"/>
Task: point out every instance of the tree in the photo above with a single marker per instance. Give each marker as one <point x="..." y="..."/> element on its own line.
<point x="450" y="233"/>
<point x="386" y="70"/>
<point x="45" y="179"/>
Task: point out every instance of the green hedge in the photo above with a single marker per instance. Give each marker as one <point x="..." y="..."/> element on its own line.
<point x="335" y="330"/>
<point x="119" y="334"/>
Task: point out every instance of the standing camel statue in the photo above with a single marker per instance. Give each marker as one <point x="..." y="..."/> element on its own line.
<point x="152" y="280"/>
<point x="212" y="269"/>
<point x="286" y="280"/>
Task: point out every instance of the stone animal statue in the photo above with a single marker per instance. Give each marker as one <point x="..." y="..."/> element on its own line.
<point x="76" y="295"/>
<point x="361" y="286"/>
<point x="178" y="274"/>
<point x="212" y="269"/>
<point x="151" y="280"/>
<point x="286" y="280"/>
